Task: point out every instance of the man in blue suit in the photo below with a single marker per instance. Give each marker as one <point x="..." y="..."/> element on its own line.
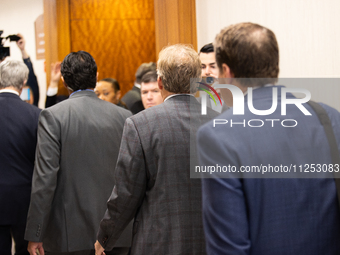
<point x="18" y="139"/>
<point x="256" y="216"/>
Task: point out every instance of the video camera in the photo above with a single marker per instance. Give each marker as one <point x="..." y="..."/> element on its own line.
<point x="4" y="51"/>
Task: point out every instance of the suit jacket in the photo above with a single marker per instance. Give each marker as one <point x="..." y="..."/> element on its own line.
<point x="78" y="143"/>
<point x="153" y="181"/>
<point x="18" y="139"/>
<point x="133" y="100"/>
<point x="270" y="216"/>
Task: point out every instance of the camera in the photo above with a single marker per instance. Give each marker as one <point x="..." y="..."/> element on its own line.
<point x="4" y="51"/>
<point x="209" y="79"/>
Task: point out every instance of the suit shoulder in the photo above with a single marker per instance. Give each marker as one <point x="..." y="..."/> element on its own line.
<point x="35" y="109"/>
<point x="30" y="110"/>
<point x="332" y="112"/>
<point x="113" y="108"/>
<point x="212" y="113"/>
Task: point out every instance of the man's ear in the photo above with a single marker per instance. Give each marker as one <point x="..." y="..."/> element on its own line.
<point x="118" y="94"/>
<point x="23" y="85"/>
<point x="65" y="85"/>
<point x="160" y="83"/>
<point x="97" y="76"/>
<point x="226" y="72"/>
<point x="62" y="79"/>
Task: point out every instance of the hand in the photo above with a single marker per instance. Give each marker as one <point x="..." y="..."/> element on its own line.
<point x="55" y="72"/>
<point x="99" y="249"/>
<point x="33" y="247"/>
<point x="21" y="44"/>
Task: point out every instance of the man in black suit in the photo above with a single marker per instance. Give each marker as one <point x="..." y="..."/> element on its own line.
<point x="18" y="139"/>
<point x="133" y="97"/>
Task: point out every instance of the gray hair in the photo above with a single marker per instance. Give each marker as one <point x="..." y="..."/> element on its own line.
<point x="176" y="65"/>
<point x="13" y="73"/>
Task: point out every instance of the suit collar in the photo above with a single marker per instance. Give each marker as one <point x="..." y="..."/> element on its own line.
<point x="9" y="91"/>
<point x="136" y="89"/>
<point x="174" y="95"/>
<point x="82" y="93"/>
<point x="180" y="98"/>
<point x="9" y="94"/>
<point x="264" y="92"/>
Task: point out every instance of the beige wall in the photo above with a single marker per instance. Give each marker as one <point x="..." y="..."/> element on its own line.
<point x="308" y="33"/>
<point x="18" y="16"/>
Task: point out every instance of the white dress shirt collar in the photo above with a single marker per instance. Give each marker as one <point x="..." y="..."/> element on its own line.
<point x="9" y="91"/>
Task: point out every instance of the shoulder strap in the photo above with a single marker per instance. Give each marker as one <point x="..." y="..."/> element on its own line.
<point x="327" y="125"/>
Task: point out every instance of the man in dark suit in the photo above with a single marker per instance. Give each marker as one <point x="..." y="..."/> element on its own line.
<point x="133" y="98"/>
<point x="18" y="139"/>
<point x="153" y="170"/>
<point x="78" y="144"/>
<point x="264" y="216"/>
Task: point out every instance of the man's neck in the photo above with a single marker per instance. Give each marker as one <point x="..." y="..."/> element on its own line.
<point x="166" y="93"/>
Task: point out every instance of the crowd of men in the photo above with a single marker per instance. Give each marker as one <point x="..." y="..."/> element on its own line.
<point x="109" y="182"/>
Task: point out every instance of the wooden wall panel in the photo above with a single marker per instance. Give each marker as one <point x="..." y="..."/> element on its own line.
<point x="119" y="34"/>
<point x="51" y="36"/>
<point x="175" y="23"/>
<point x="57" y="35"/>
<point x="121" y="47"/>
<point x="64" y="39"/>
<point x="112" y="9"/>
<point x="63" y="25"/>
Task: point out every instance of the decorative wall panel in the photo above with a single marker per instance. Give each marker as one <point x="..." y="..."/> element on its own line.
<point x="120" y="35"/>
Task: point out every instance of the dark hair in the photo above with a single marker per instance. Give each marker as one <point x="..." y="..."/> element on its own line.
<point x="79" y="70"/>
<point x="250" y="51"/>
<point x="149" y="77"/>
<point x="143" y="69"/>
<point x="114" y="83"/>
<point x="208" y="48"/>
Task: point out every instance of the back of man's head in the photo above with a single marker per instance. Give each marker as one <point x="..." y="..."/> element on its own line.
<point x="143" y="69"/>
<point x="13" y="73"/>
<point x="176" y="65"/>
<point x="208" y="48"/>
<point x="250" y="51"/>
<point x="79" y="71"/>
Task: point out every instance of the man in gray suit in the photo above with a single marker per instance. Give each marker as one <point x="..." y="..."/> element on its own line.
<point x="153" y="182"/>
<point x="78" y="144"/>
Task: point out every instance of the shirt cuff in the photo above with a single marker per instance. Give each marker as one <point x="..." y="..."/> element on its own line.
<point x="51" y="92"/>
